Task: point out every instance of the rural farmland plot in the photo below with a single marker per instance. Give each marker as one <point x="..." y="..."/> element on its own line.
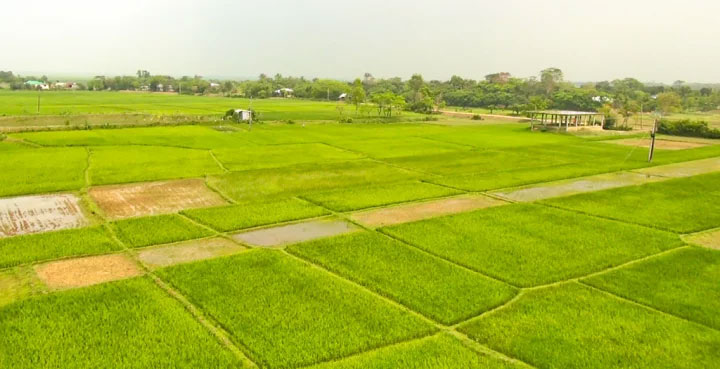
<point x="404" y="245"/>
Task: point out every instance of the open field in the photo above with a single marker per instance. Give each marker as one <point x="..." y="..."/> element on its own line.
<point x="404" y="245"/>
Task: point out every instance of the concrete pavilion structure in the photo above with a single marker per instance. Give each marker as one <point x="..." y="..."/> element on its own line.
<point x="566" y="120"/>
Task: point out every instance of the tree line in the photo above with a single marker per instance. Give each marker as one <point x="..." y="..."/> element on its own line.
<point x="547" y="90"/>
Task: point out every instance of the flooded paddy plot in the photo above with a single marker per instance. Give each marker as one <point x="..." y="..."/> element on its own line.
<point x="659" y="144"/>
<point x="577" y="186"/>
<point x="294" y="233"/>
<point x="139" y="199"/>
<point x="74" y="273"/>
<point x="413" y="212"/>
<point x="43" y="213"/>
<point x="158" y="257"/>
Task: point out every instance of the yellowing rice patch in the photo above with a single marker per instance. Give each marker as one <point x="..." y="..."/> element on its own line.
<point x="294" y="233"/>
<point x="710" y="239"/>
<point x="413" y="212"/>
<point x="158" y="257"/>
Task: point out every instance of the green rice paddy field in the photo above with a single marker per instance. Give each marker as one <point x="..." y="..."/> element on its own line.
<point x="602" y="279"/>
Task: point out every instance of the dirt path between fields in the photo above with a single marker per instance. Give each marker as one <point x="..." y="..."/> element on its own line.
<point x="413" y="212"/>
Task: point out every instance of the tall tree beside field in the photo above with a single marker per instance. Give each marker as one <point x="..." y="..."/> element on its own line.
<point x="669" y="102"/>
<point x="550" y="78"/>
<point x="357" y="95"/>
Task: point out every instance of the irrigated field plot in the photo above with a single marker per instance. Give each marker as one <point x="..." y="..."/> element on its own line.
<point x="441" y="351"/>
<point x="683" y="205"/>
<point x="573" y="326"/>
<point x="443" y="291"/>
<point x="528" y="245"/>
<point x="439" y="244"/>
<point x="288" y="313"/>
<point x="129" y="324"/>
<point x="27" y="170"/>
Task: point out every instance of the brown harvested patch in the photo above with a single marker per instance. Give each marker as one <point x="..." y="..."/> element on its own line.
<point x="576" y="186"/>
<point x="81" y="272"/>
<point x="659" y="144"/>
<point x="140" y="199"/>
<point x="708" y="239"/>
<point x="159" y="257"/>
<point x="293" y="233"/>
<point x="42" y="213"/>
<point x="413" y="212"/>
<point x="684" y="169"/>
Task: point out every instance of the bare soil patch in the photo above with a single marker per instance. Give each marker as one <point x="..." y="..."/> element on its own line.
<point x="708" y="239"/>
<point x="158" y="257"/>
<point x="43" y="213"/>
<point x="414" y="212"/>
<point x="576" y="186"/>
<point x="294" y="233"/>
<point x="659" y="144"/>
<point x="685" y="169"/>
<point x="87" y="271"/>
<point x="140" y="199"/>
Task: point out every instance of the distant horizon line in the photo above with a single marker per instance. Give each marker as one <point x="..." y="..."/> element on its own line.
<point x="90" y="75"/>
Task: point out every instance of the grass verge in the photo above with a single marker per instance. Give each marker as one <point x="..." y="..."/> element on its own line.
<point x="54" y="245"/>
<point x="355" y="198"/>
<point x="241" y="216"/>
<point x="146" y="231"/>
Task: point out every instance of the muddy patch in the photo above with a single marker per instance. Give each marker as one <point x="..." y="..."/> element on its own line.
<point x="43" y="213"/>
<point x="414" y="212"/>
<point x="576" y="186"/>
<point x="293" y="233"/>
<point x="185" y="252"/>
<point x="141" y="199"/>
<point x="659" y="144"/>
<point x="707" y="239"/>
<point x="685" y="169"/>
<point x="87" y="271"/>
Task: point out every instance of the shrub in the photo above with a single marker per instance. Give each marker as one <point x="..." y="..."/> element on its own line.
<point x="687" y="127"/>
<point x="477" y="117"/>
<point x="346" y="120"/>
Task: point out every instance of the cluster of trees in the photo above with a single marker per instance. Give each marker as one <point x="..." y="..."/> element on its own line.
<point x="144" y="81"/>
<point x="548" y="90"/>
<point x="17" y="82"/>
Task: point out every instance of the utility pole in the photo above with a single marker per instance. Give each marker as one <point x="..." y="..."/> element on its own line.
<point x="652" y="141"/>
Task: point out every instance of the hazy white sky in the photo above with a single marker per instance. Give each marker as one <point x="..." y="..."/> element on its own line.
<point x="652" y="40"/>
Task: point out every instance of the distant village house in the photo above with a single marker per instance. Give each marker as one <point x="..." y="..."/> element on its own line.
<point x="284" y="92"/>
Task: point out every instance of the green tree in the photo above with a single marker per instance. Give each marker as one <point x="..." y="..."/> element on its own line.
<point x="669" y="102"/>
<point x="357" y="94"/>
<point x="550" y="78"/>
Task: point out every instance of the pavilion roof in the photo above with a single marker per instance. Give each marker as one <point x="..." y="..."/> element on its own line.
<point x="565" y="112"/>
